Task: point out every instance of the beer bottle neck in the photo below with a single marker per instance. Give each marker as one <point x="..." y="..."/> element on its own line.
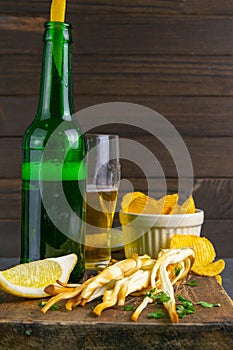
<point x="56" y="99"/>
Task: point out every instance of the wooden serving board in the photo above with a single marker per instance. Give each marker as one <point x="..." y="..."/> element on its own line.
<point x="23" y="326"/>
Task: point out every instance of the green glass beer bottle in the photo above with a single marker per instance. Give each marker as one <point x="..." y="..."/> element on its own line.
<point x="53" y="166"/>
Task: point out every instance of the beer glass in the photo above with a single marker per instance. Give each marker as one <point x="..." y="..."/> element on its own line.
<point x="101" y="197"/>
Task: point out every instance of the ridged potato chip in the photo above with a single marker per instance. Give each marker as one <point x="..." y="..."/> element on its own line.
<point x="203" y="248"/>
<point x="129" y="197"/>
<point x="168" y="202"/>
<point x="145" y="205"/>
<point x="188" y="207"/>
<point x="213" y="269"/>
<point x="138" y="202"/>
<point x="204" y="255"/>
<point x="219" y="279"/>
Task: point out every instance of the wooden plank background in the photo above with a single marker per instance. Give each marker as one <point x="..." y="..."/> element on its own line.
<point x="173" y="56"/>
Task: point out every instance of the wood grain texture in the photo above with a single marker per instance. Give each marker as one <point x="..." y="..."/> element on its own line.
<point x="174" y="56"/>
<point x="207" y="194"/>
<point x="218" y="225"/>
<point x="10" y="199"/>
<point x="24" y="326"/>
<point x="10" y="238"/>
<point x="150" y="7"/>
<point x="191" y="116"/>
<point x="218" y="231"/>
<point x="126" y="75"/>
<point x="126" y="35"/>
<point x="211" y="157"/>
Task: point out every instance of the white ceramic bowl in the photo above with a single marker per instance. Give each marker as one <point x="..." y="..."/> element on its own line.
<point x="148" y="234"/>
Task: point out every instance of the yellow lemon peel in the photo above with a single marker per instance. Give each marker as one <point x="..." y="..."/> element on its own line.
<point x="57" y="10"/>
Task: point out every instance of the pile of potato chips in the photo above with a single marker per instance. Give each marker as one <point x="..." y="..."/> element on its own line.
<point x="204" y="264"/>
<point x="139" y="203"/>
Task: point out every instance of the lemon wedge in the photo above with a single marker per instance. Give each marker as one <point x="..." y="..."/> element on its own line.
<point x="29" y="280"/>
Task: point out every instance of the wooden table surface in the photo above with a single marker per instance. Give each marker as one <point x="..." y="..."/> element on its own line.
<point x="23" y="326"/>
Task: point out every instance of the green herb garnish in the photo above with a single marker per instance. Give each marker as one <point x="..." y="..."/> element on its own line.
<point x="192" y="283"/>
<point x="42" y="303"/>
<point x="208" y="305"/>
<point x="28" y="332"/>
<point x="159" y="314"/>
<point x="185" y="307"/>
<point x="177" y="270"/>
<point x="150" y="293"/>
<point x="129" y="308"/>
<point x="161" y="297"/>
<point x="53" y="308"/>
<point x="181" y="311"/>
<point x="185" y="302"/>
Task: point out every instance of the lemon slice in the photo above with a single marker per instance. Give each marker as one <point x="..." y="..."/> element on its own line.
<point x="29" y="280"/>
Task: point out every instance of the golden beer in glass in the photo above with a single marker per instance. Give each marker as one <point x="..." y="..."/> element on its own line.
<point x="101" y="197"/>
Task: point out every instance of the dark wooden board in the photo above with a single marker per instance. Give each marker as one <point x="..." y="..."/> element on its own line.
<point x="211" y="157"/>
<point x="185" y="113"/>
<point x="214" y="196"/>
<point x="218" y="231"/>
<point x="10" y="199"/>
<point x="10" y="238"/>
<point x="127" y="34"/>
<point x="173" y="56"/>
<point x="206" y="7"/>
<point x="24" y="326"/>
<point x="159" y="75"/>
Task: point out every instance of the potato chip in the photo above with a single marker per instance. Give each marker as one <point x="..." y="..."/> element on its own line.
<point x="219" y="279"/>
<point x="138" y="202"/>
<point x="129" y="197"/>
<point x="188" y="207"/>
<point x="168" y="202"/>
<point x="203" y="248"/>
<point x="213" y="269"/>
<point x="144" y="205"/>
<point x="177" y="210"/>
